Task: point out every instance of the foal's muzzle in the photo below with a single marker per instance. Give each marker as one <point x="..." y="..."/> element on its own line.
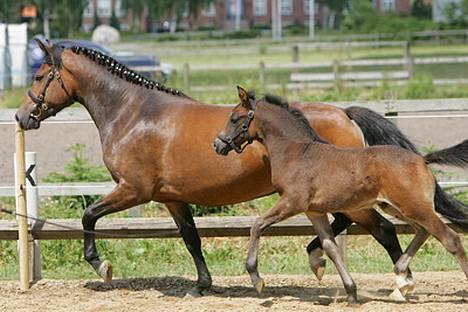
<point x="220" y="147"/>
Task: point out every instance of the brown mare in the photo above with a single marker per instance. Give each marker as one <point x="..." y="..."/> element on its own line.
<point x="156" y="143"/>
<point x="315" y="178"/>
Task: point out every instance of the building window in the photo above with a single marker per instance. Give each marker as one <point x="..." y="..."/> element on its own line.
<point x="209" y="10"/>
<point x="286" y="7"/>
<point x="260" y="7"/>
<point x="388" y="5"/>
<point x="89" y="10"/>
<point x="231" y="8"/>
<point x="104" y="8"/>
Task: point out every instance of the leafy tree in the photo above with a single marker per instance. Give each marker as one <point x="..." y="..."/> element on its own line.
<point x="421" y="10"/>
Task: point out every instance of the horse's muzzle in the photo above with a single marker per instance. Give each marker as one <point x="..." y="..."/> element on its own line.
<point x="220" y="147"/>
<point x="26" y="122"/>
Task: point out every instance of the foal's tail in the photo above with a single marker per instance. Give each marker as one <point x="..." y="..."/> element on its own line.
<point x="379" y="131"/>
<point x="456" y="155"/>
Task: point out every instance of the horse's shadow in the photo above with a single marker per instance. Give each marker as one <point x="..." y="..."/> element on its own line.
<point x="174" y="286"/>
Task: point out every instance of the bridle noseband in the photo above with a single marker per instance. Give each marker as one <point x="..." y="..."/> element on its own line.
<point x="229" y="140"/>
<point x="39" y="100"/>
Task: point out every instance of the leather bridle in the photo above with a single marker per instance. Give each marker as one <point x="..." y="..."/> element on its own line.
<point x="229" y="140"/>
<point x="40" y="104"/>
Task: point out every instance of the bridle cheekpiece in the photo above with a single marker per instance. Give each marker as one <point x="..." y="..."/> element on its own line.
<point x="229" y="140"/>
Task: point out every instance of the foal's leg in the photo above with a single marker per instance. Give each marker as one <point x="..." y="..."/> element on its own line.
<point x="425" y="217"/>
<point x="121" y="198"/>
<point x="323" y="228"/>
<point x="315" y="251"/>
<point x="184" y="220"/>
<point x="401" y="266"/>
<point x="281" y="211"/>
<point x="379" y="227"/>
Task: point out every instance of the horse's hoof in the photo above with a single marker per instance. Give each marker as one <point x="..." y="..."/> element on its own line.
<point x="402" y="284"/>
<point x="318" y="268"/>
<point x="105" y="271"/>
<point x="396" y="295"/>
<point x="193" y="293"/>
<point x="259" y="285"/>
<point x="410" y="284"/>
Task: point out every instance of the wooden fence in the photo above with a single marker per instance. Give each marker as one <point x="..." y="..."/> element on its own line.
<point x="341" y="72"/>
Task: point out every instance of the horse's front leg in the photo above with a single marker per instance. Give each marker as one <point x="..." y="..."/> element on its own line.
<point x="323" y="228"/>
<point x="281" y="211"/>
<point x="315" y="251"/>
<point x="184" y="220"/>
<point x="121" y="198"/>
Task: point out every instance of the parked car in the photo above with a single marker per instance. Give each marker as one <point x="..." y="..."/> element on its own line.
<point x="146" y="65"/>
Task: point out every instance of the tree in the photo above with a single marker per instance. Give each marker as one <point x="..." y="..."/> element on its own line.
<point x="172" y="9"/>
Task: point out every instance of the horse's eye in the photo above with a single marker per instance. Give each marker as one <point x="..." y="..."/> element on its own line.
<point x="38" y="77"/>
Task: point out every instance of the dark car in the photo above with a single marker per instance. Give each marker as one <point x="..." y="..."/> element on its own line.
<point x="147" y="65"/>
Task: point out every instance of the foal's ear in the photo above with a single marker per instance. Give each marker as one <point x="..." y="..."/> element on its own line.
<point x="48" y="49"/>
<point x="244" y="97"/>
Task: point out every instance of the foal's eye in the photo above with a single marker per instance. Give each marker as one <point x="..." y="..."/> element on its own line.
<point x="234" y="118"/>
<point x="38" y="77"/>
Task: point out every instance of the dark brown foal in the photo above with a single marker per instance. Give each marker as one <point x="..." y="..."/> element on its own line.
<point x="315" y="178"/>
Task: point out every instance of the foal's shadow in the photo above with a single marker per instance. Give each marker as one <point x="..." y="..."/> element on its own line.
<point x="175" y="286"/>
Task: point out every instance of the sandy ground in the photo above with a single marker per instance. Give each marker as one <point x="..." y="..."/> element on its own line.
<point x="435" y="291"/>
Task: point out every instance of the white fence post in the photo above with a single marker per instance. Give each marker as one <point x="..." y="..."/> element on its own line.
<point x="32" y="196"/>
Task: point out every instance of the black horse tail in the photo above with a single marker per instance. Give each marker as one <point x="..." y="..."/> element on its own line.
<point x="456" y="155"/>
<point x="379" y="131"/>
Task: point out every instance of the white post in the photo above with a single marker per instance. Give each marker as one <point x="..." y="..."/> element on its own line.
<point x="238" y="14"/>
<point x="311" y="19"/>
<point x="280" y="26"/>
<point x="32" y="201"/>
<point x="273" y="18"/>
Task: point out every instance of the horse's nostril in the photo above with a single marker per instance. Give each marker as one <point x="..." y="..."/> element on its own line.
<point x="16" y="117"/>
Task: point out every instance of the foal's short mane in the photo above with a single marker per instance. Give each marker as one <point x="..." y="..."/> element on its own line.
<point x="297" y="114"/>
<point x="122" y="71"/>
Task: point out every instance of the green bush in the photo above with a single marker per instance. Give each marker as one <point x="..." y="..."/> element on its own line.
<point x="77" y="170"/>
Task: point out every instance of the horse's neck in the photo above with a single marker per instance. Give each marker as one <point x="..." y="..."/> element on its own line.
<point x="107" y="97"/>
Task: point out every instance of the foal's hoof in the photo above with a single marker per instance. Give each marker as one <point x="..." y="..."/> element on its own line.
<point x="105" y="271"/>
<point x="318" y="268"/>
<point x="403" y="285"/>
<point x="259" y="285"/>
<point x="396" y="295"/>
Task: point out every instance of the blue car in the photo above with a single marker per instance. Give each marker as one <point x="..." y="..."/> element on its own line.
<point x="146" y="65"/>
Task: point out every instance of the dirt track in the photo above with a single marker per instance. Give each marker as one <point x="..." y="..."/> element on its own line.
<point x="435" y="291"/>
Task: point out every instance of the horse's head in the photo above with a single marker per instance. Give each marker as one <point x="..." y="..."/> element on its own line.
<point x="53" y="89"/>
<point x="239" y="128"/>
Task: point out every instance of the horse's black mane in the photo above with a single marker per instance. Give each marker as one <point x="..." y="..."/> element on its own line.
<point x="297" y="114"/>
<point x="122" y="71"/>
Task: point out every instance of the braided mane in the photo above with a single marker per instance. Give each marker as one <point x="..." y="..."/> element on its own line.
<point x="122" y="71"/>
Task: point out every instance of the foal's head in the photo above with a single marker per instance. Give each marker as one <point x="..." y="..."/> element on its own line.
<point x="53" y="89"/>
<point x="239" y="128"/>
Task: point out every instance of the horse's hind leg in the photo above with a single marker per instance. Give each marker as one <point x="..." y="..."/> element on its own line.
<point x="121" y="198"/>
<point x="323" y="228"/>
<point x="383" y="232"/>
<point x="279" y="212"/>
<point x="184" y="220"/>
<point x="315" y="251"/>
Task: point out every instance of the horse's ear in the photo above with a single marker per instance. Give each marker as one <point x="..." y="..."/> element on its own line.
<point x="48" y="49"/>
<point x="244" y="97"/>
